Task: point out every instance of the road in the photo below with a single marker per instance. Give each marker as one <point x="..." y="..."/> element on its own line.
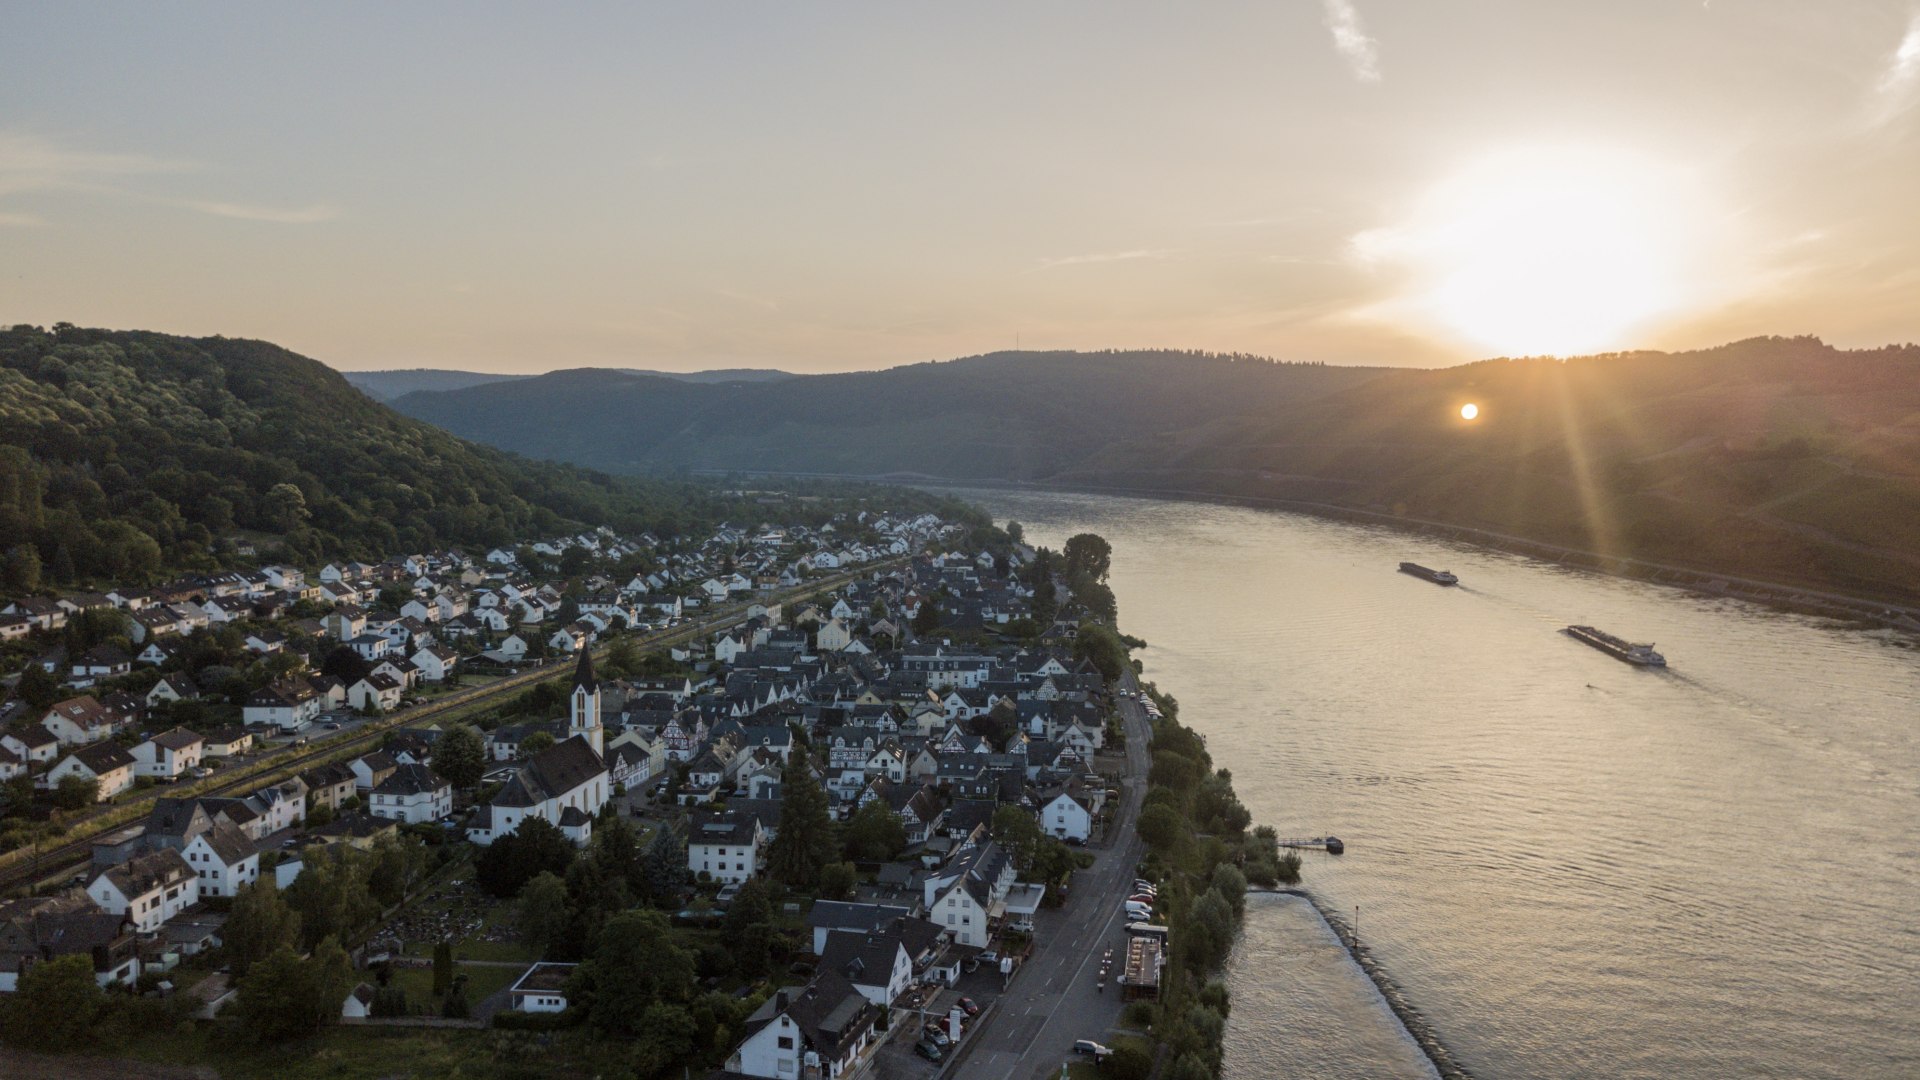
<point x="1053" y="1000"/>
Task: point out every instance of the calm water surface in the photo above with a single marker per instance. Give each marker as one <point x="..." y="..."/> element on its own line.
<point x="1576" y="868"/>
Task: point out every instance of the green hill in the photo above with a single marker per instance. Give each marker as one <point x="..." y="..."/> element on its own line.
<point x="1001" y="416"/>
<point x="1776" y="458"/>
<point x="128" y="455"/>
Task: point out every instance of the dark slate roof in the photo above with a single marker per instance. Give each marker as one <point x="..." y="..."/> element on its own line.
<point x="583" y="673"/>
<point x="562" y="767"/>
<point x="103" y="757"/>
<point x="865" y="959"/>
<point x="177" y="739"/>
<point x="410" y="780"/>
<point x="836" y="915"/>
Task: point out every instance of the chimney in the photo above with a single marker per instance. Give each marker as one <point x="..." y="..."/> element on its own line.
<point x="780" y="1001"/>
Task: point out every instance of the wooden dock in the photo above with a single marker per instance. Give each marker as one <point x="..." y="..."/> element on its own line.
<point x="1318" y="843"/>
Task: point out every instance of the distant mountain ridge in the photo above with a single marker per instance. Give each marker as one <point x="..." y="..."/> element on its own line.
<point x="385" y="386"/>
<point x="1777" y="458"/>
<point x="1009" y="415"/>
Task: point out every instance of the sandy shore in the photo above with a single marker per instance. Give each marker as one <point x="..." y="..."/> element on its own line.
<point x="1302" y="1007"/>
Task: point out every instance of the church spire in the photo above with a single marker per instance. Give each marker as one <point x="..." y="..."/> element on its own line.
<point x="583" y="673"/>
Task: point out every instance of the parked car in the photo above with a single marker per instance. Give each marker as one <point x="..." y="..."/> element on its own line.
<point x="967" y="1006"/>
<point x="937" y="1035"/>
<point x="929" y="1050"/>
<point x="727" y="892"/>
<point x="1021" y="926"/>
<point x="1091" y="1049"/>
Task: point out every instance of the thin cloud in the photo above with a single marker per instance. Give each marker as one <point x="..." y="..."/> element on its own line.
<point x="1100" y="257"/>
<point x="1894" y="93"/>
<point x="10" y="220"/>
<point x="303" y="215"/>
<point x="31" y="163"/>
<point x="1350" y="40"/>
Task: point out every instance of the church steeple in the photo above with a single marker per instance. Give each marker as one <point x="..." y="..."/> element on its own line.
<point x="583" y="708"/>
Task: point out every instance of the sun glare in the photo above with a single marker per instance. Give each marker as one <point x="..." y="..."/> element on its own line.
<point x="1547" y="250"/>
<point x="1469" y="411"/>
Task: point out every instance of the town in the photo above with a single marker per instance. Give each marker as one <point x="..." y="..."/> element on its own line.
<point x="797" y="803"/>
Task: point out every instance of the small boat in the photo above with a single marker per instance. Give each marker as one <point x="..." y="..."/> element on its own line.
<point x="1334" y="846"/>
<point x="1438" y="577"/>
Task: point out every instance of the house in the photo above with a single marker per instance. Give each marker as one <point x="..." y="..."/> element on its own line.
<point x="100" y="662"/>
<point x="371" y="770"/>
<point x="173" y="686"/>
<point x="567" y="783"/>
<point x="436" y="663"/>
<point x="725" y="845"/>
<point x="223" y="859"/>
<point x="1070" y="813"/>
<point x="228" y="742"/>
<point x="52" y="927"/>
<point x="289" y="705"/>
<point x="82" y="720"/>
<point x="358" y="1004"/>
<point x="329" y="785"/>
<point x="414" y="794"/>
<point x="34" y="744"/>
<point x="876" y="963"/>
<point x="168" y="755"/>
<point x="149" y="889"/>
<point x="542" y="988"/>
<point x="104" y="762"/>
<point x="968" y="895"/>
<point x="828" y="916"/>
<point x="821" y="1030"/>
<point x="377" y="691"/>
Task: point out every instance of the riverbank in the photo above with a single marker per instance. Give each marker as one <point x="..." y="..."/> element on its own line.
<point x="1785" y="596"/>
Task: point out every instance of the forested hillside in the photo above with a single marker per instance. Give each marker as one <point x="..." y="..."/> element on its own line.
<point x="128" y="455"/>
<point x="1001" y="416"/>
<point x="1778" y="458"/>
<point x="387" y="385"/>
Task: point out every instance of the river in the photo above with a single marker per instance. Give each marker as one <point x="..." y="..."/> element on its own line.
<point x="1573" y="867"/>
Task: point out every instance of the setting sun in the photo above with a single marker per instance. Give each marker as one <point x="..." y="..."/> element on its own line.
<point x="1547" y="250"/>
<point x="1469" y="411"/>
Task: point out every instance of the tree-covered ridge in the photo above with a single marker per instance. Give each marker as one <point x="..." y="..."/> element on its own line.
<point x="126" y="455"/>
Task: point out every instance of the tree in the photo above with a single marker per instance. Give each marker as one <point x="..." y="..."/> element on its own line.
<point x="536" y="742"/>
<point x="460" y="756"/>
<point x="260" y="922"/>
<point x="752" y="904"/>
<point x="1015" y="533"/>
<point x="875" y="833"/>
<point x="615" y="852"/>
<point x="286" y="998"/>
<point x="22" y="571"/>
<point x="636" y="964"/>
<point x="664" y="867"/>
<point x="285" y="505"/>
<point x="1088" y="555"/>
<point x="805" y="842"/>
<point x="37" y="687"/>
<point x="54" y="1004"/>
<point x="442" y="967"/>
<point x="332" y="896"/>
<point x="837" y="881"/>
<point x="541" y="917"/>
<point x="1160" y="826"/>
<point x="926" y="620"/>
<point x="507" y="864"/>
<point x="76" y="792"/>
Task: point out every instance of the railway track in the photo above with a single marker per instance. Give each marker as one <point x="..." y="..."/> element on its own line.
<point x="33" y="866"/>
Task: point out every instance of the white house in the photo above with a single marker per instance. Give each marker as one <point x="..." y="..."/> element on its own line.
<point x="149" y="889"/>
<point x="725" y="845"/>
<point x="376" y="691"/>
<point x="168" y="755"/>
<point x="288" y="705"/>
<point x="34" y="744"/>
<point x="542" y="988"/>
<point x="104" y="762"/>
<point x="223" y="859"/>
<point x="414" y="794"/>
<point x="875" y="963"/>
<point x="1069" y="816"/>
<point x="436" y="664"/>
<point x="971" y="892"/>
<point x="822" y="1030"/>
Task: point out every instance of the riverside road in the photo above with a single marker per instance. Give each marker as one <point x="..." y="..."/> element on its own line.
<point x="1053" y="1000"/>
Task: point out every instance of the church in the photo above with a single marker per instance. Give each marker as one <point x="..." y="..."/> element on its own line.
<point x="565" y="784"/>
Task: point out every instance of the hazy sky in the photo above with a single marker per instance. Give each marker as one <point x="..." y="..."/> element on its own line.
<point x="822" y="186"/>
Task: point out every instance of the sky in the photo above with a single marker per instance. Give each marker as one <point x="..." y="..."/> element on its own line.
<point x="834" y="186"/>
